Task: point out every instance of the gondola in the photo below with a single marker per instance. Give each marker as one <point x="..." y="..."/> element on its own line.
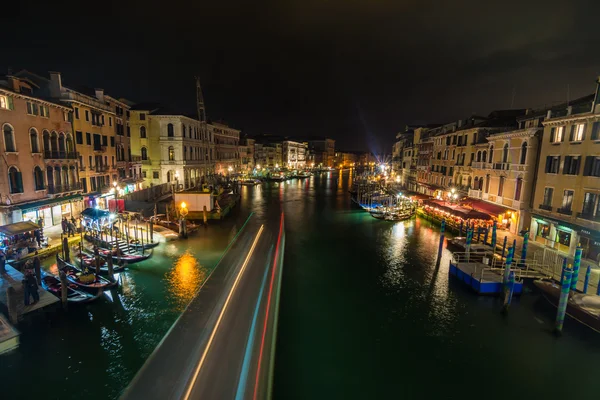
<point x="583" y="308"/>
<point x="145" y="246"/>
<point x="124" y="257"/>
<point x="377" y="214"/>
<point x="88" y="260"/>
<point x="54" y="286"/>
<point x="85" y="281"/>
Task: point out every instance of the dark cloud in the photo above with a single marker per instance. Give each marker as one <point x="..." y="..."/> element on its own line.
<point x="353" y="70"/>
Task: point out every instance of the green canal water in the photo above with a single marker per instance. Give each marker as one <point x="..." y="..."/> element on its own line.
<point x="364" y="314"/>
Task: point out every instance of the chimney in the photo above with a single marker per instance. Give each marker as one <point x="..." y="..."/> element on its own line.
<point x="460" y="123"/>
<point x="596" y="103"/>
<point x="100" y="94"/>
<point x="55" y="84"/>
<point x="549" y="114"/>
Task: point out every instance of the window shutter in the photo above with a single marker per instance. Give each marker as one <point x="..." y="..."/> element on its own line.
<point x="567" y="165"/>
<point x="577" y="161"/>
<point x="548" y="163"/>
<point x="583" y="129"/>
<point x="11" y="105"/>
<point x="19" y="182"/>
<point x="552" y="133"/>
<point x="572" y="134"/>
<point x="587" y="169"/>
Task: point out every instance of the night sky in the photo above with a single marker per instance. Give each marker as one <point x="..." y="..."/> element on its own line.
<point x="356" y="71"/>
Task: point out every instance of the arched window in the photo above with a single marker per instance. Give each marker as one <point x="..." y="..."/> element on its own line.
<point x="171" y="153"/>
<point x="484" y="156"/>
<point x="144" y="153"/>
<point x="15" y="181"/>
<point x="492" y="153"/>
<point x="505" y="153"/>
<point x="170" y="130"/>
<point x="54" y="141"/>
<point x="523" y="153"/>
<point x="61" y="142"/>
<point x="50" y="177"/>
<point x="142" y="132"/>
<point x="9" y="140"/>
<point x="169" y="176"/>
<point x="46" y="139"/>
<point x="478" y="156"/>
<point x="38" y="178"/>
<point x="33" y="138"/>
<point x="70" y="145"/>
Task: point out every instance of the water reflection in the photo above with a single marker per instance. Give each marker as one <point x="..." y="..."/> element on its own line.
<point x="184" y="280"/>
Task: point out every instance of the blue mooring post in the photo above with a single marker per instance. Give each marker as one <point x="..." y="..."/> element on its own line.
<point x="504" y="246"/>
<point x="468" y="242"/>
<point x="524" y="249"/>
<point x="564" y="268"/>
<point x="509" y="290"/>
<point x="588" y="273"/>
<point x="576" y="266"/>
<point x="507" y="265"/>
<point x="494" y="236"/>
<point x="563" y="300"/>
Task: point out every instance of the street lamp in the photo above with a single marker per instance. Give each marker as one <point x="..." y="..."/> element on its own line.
<point x="183" y="211"/>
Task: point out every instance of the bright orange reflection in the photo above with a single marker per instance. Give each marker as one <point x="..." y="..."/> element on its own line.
<point x="185" y="279"/>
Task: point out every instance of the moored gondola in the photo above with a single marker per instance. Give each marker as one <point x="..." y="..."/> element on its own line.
<point x="54" y="286"/>
<point x="87" y="281"/>
<point x="88" y="260"/>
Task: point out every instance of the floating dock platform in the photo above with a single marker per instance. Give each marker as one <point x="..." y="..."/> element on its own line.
<point x="481" y="278"/>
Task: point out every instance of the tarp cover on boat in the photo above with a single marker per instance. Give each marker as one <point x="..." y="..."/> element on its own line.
<point x="18" y="228"/>
<point x="95" y="213"/>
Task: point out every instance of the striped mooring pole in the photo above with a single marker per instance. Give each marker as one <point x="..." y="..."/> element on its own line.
<point x="524" y="249"/>
<point x="576" y="267"/>
<point x="563" y="300"/>
<point x="509" y="259"/>
<point x="468" y="242"/>
<point x="441" y="245"/>
<point x="494" y="228"/>
<point x="564" y="268"/>
<point x="588" y="273"/>
<point x="504" y="246"/>
<point x="509" y="290"/>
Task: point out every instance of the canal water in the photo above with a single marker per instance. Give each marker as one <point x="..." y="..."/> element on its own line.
<point x="365" y="313"/>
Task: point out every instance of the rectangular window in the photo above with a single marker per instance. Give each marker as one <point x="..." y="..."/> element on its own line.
<point x="91" y="165"/>
<point x="552" y="164"/>
<point x="543" y="230"/>
<point x="102" y="119"/>
<point x="155" y="174"/>
<point x="557" y="134"/>
<point x="4" y="102"/>
<point x="567" y="201"/>
<point x="104" y="140"/>
<point x="592" y="166"/>
<point x="142" y="117"/>
<point x="87" y="115"/>
<point x="144" y="174"/>
<point x="128" y="131"/>
<point x="501" y="186"/>
<point x="78" y="137"/>
<point x="109" y="121"/>
<point x="112" y="141"/>
<point x="596" y="131"/>
<point x="88" y="138"/>
<point x="548" y="193"/>
<point x="577" y="133"/>
<point x="35" y="109"/>
<point x="589" y="204"/>
<point x="76" y="113"/>
<point x="29" y="108"/>
<point x="571" y="166"/>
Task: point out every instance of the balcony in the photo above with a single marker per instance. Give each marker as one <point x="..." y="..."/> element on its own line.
<point x="60" y="155"/>
<point x="136" y="159"/>
<point x="564" y="211"/>
<point x="476" y="194"/>
<point x="101" y="149"/>
<point x="518" y="167"/>
<point x="147" y="161"/>
<point x="546" y="207"/>
<point x="55" y="189"/>
<point x="501" y="166"/>
<point x="102" y="168"/>
<point x="589" y="216"/>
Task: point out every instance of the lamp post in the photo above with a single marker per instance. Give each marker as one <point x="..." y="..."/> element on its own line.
<point x="183" y="212"/>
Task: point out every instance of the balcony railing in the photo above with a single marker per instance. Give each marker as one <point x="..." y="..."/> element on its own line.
<point x="101" y="149"/>
<point x="546" y="207"/>
<point x="136" y="159"/>
<point x="54" y="189"/>
<point x="589" y="216"/>
<point x="146" y="161"/>
<point x="475" y="193"/>
<point x="501" y="166"/>
<point x="102" y="168"/>
<point x="518" y="167"/>
<point x="564" y="211"/>
<point x="60" y="155"/>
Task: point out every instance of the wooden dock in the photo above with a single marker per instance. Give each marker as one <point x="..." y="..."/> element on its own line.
<point x="9" y="336"/>
<point x="14" y="278"/>
<point x="481" y="278"/>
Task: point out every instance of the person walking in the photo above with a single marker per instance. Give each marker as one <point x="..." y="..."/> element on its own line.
<point x="2" y="262"/>
<point x="64" y="226"/>
<point x="38" y="237"/>
<point x="31" y="287"/>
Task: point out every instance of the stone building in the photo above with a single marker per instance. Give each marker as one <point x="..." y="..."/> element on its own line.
<point x="227" y="141"/>
<point x="566" y="206"/>
<point x="39" y="176"/>
<point x="294" y="154"/>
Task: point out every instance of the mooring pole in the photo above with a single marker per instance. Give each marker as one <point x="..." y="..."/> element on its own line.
<point x="509" y="290"/>
<point x="563" y="300"/>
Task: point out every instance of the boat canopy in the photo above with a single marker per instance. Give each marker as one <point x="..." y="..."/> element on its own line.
<point x="95" y="213"/>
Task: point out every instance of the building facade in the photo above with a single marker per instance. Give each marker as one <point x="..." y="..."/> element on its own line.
<point x="293" y="154"/>
<point x="566" y="206"/>
<point x="39" y="175"/>
<point x="227" y="153"/>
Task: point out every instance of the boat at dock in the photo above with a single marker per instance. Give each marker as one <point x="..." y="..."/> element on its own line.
<point x="87" y="281"/>
<point x="250" y="182"/>
<point x="120" y="257"/>
<point x="583" y="308"/>
<point x="87" y="259"/>
<point x="54" y="286"/>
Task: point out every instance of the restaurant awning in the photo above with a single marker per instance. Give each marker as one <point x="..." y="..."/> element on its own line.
<point x="18" y="228"/>
<point x="484" y="206"/>
<point x="34" y="205"/>
<point x="456" y="210"/>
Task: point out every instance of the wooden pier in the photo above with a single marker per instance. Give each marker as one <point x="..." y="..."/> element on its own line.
<point x="13" y="278"/>
<point x="9" y="336"/>
<point x="480" y="277"/>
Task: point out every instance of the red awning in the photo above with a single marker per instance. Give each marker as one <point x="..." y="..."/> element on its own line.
<point x="484" y="206"/>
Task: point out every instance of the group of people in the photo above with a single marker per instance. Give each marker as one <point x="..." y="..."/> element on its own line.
<point x="69" y="228"/>
<point x="30" y="283"/>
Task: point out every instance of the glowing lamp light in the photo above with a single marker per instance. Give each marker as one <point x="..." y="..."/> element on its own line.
<point x="453" y="190"/>
<point x="115" y="183"/>
<point x="183" y="205"/>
